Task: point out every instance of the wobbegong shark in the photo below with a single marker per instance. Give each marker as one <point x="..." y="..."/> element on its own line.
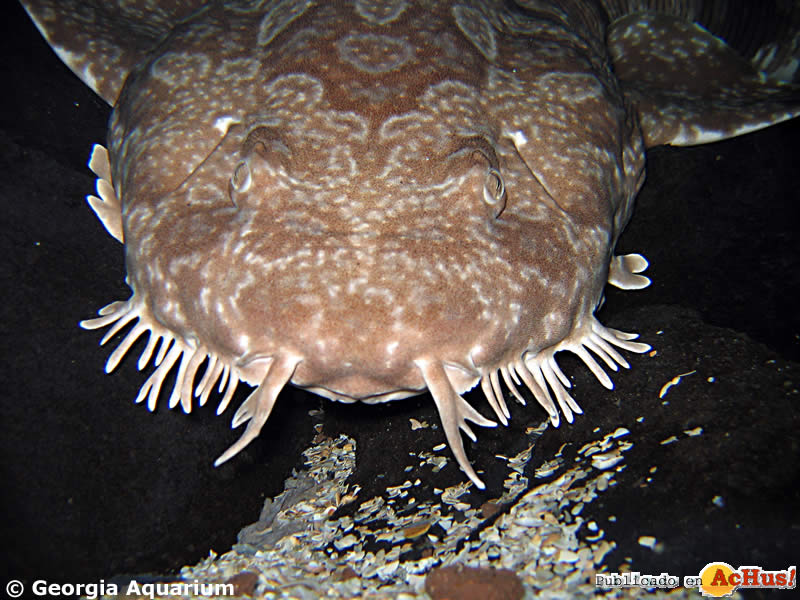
<point x="374" y="199"/>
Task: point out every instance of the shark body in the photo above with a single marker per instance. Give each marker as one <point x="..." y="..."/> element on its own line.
<point x="374" y="199"/>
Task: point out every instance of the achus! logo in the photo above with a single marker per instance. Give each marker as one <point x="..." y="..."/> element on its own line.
<point x="721" y="579"/>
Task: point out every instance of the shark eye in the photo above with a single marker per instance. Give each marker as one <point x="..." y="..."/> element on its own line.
<point x="494" y="191"/>
<point x="477" y="149"/>
<point x="241" y="180"/>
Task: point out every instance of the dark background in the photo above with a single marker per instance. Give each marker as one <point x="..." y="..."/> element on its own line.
<point x="93" y="485"/>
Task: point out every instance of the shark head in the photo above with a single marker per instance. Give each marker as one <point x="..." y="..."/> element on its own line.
<point x="370" y="201"/>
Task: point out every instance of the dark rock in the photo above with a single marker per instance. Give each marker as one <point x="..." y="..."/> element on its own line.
<point x="458" y="582"/>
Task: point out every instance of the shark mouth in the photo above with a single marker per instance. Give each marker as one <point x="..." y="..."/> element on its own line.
<point x="538" y="372"/>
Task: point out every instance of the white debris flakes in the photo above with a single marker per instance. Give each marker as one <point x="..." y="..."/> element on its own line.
<point x="648" y="541"/>
<point x="418" y="424"/>
<point x="385" y="545"/>
<point x="693" y="432"/>
<point x="674" y="381"/>
<point x="347" y="541"/>
<point x="548" y="468"/>
<point x="437" y="461"/>
<point x="538" y="430"/>
<point x="568" y="556"/>
<point x="606" y="461"/>
<point x="601" y="457"/>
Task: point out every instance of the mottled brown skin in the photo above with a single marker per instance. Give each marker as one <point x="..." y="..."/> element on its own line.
<point x="334" y="261"/>
<point x="373" y="198"/>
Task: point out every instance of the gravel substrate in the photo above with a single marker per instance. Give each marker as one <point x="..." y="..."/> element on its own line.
<point x="531" y="541"/>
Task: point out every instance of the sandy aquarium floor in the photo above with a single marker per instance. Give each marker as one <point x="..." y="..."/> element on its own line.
<point x="323" y="538"/>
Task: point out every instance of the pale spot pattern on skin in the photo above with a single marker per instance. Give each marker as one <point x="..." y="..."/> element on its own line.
<point x="373" y="198"/>
<point x="279" y="18"/>
<point x="477" y="30"/>
<point x="380" y="12"/>
<point x="373" y="53"/>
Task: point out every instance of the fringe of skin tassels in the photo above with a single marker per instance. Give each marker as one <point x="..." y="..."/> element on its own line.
<point x="170" y="349"/>
<point x="540" y="373"/>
